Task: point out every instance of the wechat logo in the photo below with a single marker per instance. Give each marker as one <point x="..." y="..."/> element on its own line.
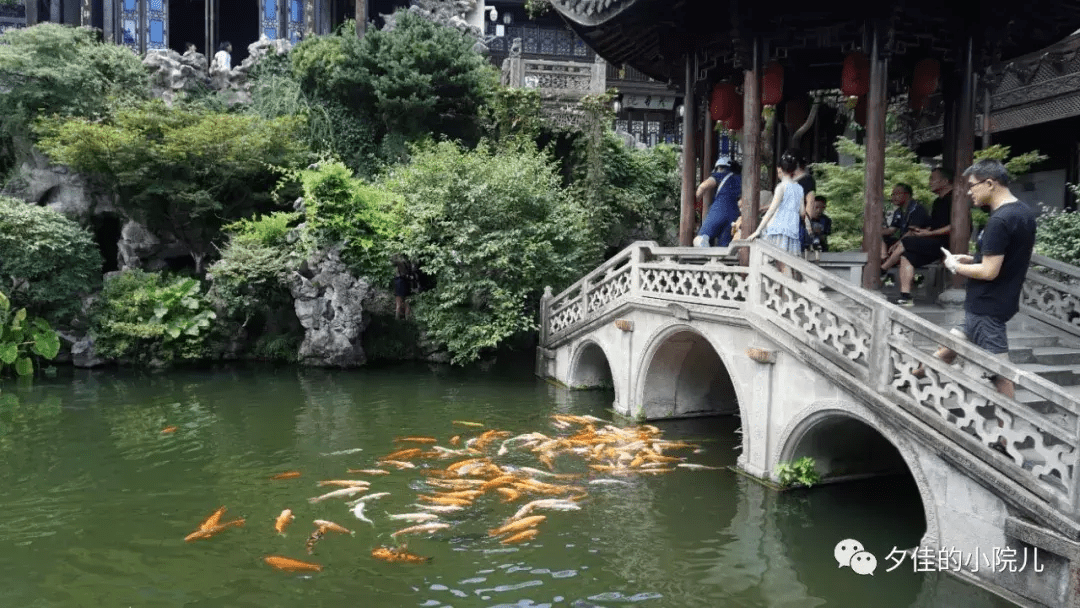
<point x="851" y="553"/>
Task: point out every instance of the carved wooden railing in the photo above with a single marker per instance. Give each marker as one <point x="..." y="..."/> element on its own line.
<point x="1052" y="294"/>
<point x="875" y="345"/>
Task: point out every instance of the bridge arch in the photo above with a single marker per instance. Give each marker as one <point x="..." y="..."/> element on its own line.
<point x="684" y="374"/>
<point x="590" y="367"/>
<point x="843" y="438"/>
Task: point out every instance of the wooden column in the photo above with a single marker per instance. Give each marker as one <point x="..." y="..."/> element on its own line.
<point x="361" y="17"/>
<point x="708" y="158"/>
<point x="960" y="232"/>
<point x="874" y="191"/>
<point x="689" y="145"/>
<point x="986" y="118"/>
<point x="751" y="144"/>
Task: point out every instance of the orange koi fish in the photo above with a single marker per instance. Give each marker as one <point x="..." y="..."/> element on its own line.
<point x="397" y="463"/>
<point x="287" y="475"/>
<point x="283" y="520"/>
<point x="509" y="494"/>
<point x="207" y="533"/>
<point x="418" y="439"/>
<point x="445" y="500"/>
<point x="467" y="423"/>
<point x="368" y="472"/>
<point x="403" y="454"/>
<point x="398" y="554"/>
<point x="289" y="564"/>
<point x="212" y="520"/>
<point x="170" y="429"/>
<point x="329" y="526"/>
<point x="518" y="525"/>
<point x="455" y="440"/>
<point x="520" y="536"/>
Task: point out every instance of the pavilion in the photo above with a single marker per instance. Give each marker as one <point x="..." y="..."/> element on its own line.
<point x="697" y="43"/>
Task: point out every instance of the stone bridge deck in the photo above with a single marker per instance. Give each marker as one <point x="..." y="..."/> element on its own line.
<point x="818" y="366"/>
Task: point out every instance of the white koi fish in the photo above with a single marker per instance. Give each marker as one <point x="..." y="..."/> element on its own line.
<point x="558" y="504"/>
<point x="367" y="497"/>
<point x="438" y="508"/>
<point x="338" y="494"/>
<point x="343" y="452"/>
<point x="699" y="467"/>
<point x="414" y="517"/>
<point x="358" y="511"/>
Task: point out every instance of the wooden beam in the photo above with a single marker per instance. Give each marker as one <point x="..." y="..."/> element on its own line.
<point x="960" y="232"/>
<point x="751" y="171"/>
<point x="874" y="192"/>
<point x="689" y="149"/>
<point x="361" y="18"/>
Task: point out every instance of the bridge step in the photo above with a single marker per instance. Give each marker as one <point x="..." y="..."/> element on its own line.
<point x="1056" y="355"/>
<point x="1063" y="375"/>
<point x="1030" y="340"/>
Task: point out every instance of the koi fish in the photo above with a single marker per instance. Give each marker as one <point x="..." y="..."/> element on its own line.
<point x="315" y="537"/>
<point x="403" y="454"/>
<point x="338" y="493"/>
<point x="289" y="564"/>
<point x="400" y="464"/>
<point x="509" y="494"/>
<point x="418" y="439"/>
<point x="445" y="500"/>
<point x="689" y="465"/>
<point x="397" y="555"/>
<point x="358" y="511"/>
<point x="455" y="440"/>
<point x="343" y="452"/>
<point x="329" y="526"/>
<point x="558" y="504"/>
<point x="367" y="497"/>
<point x="212" y="520"/>
<point x="462" y="463"/>
<point x="208" y="532"/>
<point x="518" y="525"/>
<point x="467" y="423"/>
<point x="283" y="520"/>
<point x="368" y="472"/>
<point x="344" y="483"/>
<point x="608" y="481"/>
<point x="169" y="429"/>
<point x="438" y="508"/>
<point x="414" y="517"/>
<point x="430" y="527"/>
<point x="522" y="536"/>
<point x="287" y="475"/>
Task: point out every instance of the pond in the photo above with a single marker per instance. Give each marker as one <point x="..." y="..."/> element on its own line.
<point x="97" y="501"/>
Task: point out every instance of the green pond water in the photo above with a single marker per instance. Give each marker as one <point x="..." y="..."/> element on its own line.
<point x="95" y="502"/>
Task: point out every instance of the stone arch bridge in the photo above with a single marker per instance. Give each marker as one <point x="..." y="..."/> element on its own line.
<point x="816" y="366"/>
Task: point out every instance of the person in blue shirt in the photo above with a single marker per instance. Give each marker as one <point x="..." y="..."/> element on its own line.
<point x="727" y="183"/>
<point x="820" y="227"/>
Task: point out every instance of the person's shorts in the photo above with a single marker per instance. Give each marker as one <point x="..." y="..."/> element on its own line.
<point x="986" y="332"/>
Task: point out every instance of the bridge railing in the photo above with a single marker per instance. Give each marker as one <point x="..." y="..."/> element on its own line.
<point x="1051" y="294"/>
<point x="1035" y="443"/>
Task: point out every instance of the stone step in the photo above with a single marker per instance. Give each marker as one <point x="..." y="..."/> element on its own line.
<point x="1048" y="409"/>
<point x="1031" y="340"/>
<point x="1063" y="375"/>
<point x="1055" y="355"/>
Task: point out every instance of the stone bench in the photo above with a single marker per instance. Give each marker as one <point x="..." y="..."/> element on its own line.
<point x="847" y="265"/>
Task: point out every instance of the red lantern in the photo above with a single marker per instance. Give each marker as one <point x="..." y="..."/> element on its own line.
<point x="796" y="111"/>
<point x="723" y="101"/>
<point x="772" y="84"/>
<point x="926" y="77"/>
<point x="916" y="101"/>
<point x="735" y="121"/>
<point x="855" y="75"/>
<point x="860" y="112"/>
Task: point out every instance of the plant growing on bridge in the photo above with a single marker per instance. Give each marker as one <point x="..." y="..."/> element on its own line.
<point x="23" y="338"/>
<point x="802" y="472"/>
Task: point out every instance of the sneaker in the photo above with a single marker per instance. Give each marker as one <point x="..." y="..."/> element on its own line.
<point x="905" y="302"/>
<point x="701" y="241"/>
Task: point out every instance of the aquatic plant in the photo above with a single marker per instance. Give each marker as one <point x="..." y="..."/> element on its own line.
<point x="23" y="338"/>
<point x="802" y="472"/>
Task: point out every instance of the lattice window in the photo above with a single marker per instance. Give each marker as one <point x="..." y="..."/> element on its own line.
<point x="564" y="43"/>
<point x="296" y="21"/>
<point x="268" y="18"/>
<point x="157" y="24"/>
<point x="637" y="127"/>
<point x="129" y="25"/>
<point x="547" y="41"/>
<point x="623" y="125"/>
<point x="580" y="49"/>
<point x="530" y="39"/>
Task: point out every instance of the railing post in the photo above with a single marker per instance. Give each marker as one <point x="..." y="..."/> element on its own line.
<point x="545" y="315"/>
<point x="637" y="258"/>
<point x="598" y="82"/>
<point x="753" y="280"/>
<point x="879" y="365"/>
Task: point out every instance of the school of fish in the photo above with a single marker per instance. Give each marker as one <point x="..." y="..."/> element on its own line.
<point x="607" y="451"/>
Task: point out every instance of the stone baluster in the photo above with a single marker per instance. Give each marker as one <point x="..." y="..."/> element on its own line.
<point x="545" y="316"/>
<point x="637" y="258"/>
<point x="753" y="282"/>
<point x="598" y="81"/>
<point x="880" y="367"/>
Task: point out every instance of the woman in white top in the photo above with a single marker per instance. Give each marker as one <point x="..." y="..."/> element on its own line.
<point x="223" y="57"/>
<point x="781" y="222"/>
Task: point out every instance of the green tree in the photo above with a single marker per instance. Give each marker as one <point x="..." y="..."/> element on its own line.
<point x="47" y="262"/>
<point x="180" y="171"/>
<point x="844" y="186"/>
<point x="53" y="69"/>
<point x="492" y="228"/>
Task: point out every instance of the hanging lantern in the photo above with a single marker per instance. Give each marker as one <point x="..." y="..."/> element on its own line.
<point x="735" y="121"/>
<point x="926" y="77"/>
<point x="772" y="84"/>
<point x="860" y="112"/>
<point x="723" y="101"/>
<point x="796" y="111"/>
<point x="855" y="75"/>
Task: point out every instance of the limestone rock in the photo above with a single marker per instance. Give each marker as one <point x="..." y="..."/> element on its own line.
<point x="84" y="355"/>
<point x="329" y="304"/>
<point x="41" y="182"/>
<point x="140" y="248"/>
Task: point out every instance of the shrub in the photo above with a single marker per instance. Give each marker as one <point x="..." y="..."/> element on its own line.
<point x="1058" y="236"/>
<point x="492" y="228"/>
<point x="180" y="171"/>
<point x="49" y="259"/>
<point x="24" y="338"/>
<point x="802" y="472"/>
<point x="149" y="319"/>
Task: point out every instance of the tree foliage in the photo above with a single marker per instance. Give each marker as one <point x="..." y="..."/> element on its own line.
<point x="492" y="228"/>
<point x="250" y="279"/>
<point x="47" y="262"/>
<point x="1058" y="236"/>
<point x="844" y="187"/>
<point x="418" y="79"/>
<point x="180" y="171"/>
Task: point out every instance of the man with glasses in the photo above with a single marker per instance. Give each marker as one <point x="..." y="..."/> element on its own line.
<point x="997" y="270"/>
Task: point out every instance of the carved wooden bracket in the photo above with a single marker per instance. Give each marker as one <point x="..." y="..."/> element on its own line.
<point x="624" y="324"/>
<point x="761" y="355"/>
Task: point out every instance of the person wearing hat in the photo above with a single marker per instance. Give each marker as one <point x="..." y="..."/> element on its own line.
<point x="726" y="182"/>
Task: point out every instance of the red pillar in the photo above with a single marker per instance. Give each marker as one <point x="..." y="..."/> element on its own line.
<point x="689" y="145"/>
<point x="751" y="172"/>
<point x="874" y="191"/>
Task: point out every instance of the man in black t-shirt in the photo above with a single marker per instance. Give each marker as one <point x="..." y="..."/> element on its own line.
<point x="996" y="273"/>
<point x="908" y="214"/>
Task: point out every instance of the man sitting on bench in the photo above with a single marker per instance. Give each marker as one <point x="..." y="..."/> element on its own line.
<point x="924" y="246"/>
